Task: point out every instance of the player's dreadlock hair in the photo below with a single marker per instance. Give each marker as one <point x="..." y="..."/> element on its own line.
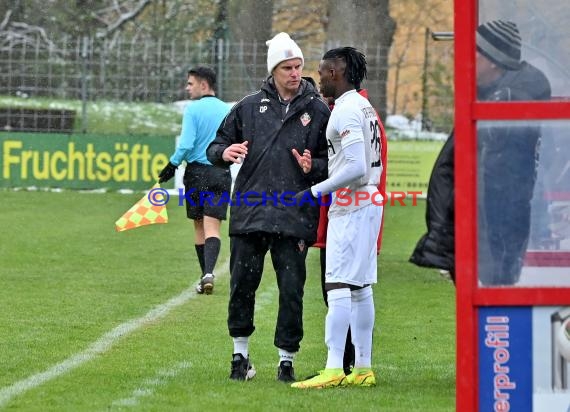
<point x="355" y="61"/>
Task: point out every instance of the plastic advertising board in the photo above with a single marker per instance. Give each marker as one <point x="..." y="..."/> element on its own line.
<point x="524" y="358"/>
<point x="410" y="163"/>
<point x="79" y="161"/>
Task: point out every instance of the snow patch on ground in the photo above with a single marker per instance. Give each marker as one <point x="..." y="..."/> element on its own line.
<point x="399" y="127"/>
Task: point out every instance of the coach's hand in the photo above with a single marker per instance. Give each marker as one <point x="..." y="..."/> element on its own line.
<point x="167" y="173"/>
<point x="235" y="153"/>
<point x="305" y="161"/>
<point x="305" y="197"/>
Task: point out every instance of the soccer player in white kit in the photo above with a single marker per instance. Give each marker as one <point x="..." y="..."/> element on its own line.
<point x="353" y="135"/>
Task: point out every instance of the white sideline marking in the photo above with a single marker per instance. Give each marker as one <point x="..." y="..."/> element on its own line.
<point x="101" y="345"/>
<point x="149" y="385"/>
<point x="264" y="298"/>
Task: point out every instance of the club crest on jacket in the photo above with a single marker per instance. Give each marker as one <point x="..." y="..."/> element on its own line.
<point x="305" y="119"/>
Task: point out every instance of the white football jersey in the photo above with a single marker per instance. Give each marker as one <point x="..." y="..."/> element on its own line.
<point x="353" y="119"/>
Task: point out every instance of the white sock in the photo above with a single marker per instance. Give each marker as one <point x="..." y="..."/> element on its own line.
<point x="286" y="356"/>
<point x="240" y="345"/>
<point x="336" y="325"/>
<point x="362" y="325"/>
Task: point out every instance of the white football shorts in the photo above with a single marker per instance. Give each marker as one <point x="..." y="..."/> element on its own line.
<point x="351" y="246"/>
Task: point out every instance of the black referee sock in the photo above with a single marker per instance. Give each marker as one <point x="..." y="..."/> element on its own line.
<point x="211" y="252"/>
<point x="200" y="254"/>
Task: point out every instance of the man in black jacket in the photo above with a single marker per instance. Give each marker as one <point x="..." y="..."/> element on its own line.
<point x="436" y="249"/>
<point x="278" y="136"/>
<point x="507" y="158"/>
<point x="507" y="155"/>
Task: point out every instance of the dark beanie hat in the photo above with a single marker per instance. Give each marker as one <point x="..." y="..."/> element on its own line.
<point x="500" y="42"/>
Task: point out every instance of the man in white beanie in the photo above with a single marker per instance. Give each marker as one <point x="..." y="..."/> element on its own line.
<point x="281" y="48"/>
<point x="278" y="136"/>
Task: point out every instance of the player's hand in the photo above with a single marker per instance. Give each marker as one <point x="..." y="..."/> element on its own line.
<point x="305" y="197"/>
<point x="305" y="161"/>
<point x="167" y="173"/>
<point x="235" y="153"/>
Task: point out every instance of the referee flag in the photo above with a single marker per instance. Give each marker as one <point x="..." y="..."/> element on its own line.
<point x="149" y="210"/>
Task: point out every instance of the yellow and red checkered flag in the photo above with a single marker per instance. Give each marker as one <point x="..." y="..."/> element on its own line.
<point x="149" y="210"/>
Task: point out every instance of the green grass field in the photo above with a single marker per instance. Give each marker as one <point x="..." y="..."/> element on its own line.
<point x="94" y="320"/>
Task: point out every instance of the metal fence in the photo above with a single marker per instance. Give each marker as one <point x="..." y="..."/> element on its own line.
<point x="78" y="68"/>
<point x="129" y="70"/>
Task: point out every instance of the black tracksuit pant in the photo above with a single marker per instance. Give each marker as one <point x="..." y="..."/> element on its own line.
<point x="288" y="255"/>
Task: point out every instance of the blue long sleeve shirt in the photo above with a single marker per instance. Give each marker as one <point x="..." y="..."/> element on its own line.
<point x="200" y="122"/>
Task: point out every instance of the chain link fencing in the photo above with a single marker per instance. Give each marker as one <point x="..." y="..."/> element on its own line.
<point x="135" y="70"/>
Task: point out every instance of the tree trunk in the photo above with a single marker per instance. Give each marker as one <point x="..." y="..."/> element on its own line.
<point x="249" y="26"/>
<point x="366" y="25"/>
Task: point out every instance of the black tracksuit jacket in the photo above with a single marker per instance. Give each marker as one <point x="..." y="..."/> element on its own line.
<point x="270" y="169"/>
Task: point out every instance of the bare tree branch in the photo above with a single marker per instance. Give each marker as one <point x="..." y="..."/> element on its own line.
<point x="17" y="33"/>
<point x="5" y="20"/>
<point x="118" y="16"/>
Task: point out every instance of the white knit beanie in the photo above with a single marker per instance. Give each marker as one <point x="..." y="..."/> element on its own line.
<point x="281" y="48"/>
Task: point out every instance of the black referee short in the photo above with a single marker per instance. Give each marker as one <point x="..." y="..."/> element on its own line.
<point x="205" y="185"/>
